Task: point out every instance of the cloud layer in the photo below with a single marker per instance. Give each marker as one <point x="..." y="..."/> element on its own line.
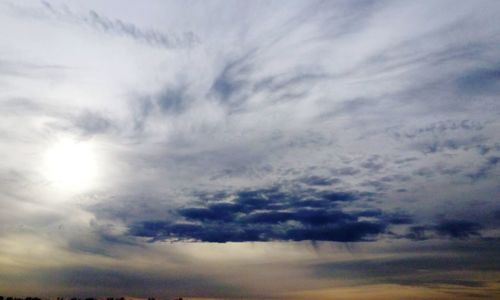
<point x="236" y="128"/>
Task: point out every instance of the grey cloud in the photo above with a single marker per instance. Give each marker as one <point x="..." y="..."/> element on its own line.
<point x="425" y="270"/>
<point x="275" y="84"/>
<point x="346" y="171"/>
<point x="28" y="69"/>
<point x="443" y="135"/>
<point x="484" y="149"/>
<point x="483" y="81"/>
<point x="455" y="229"/>
<point x="142" y="108"/>
<point x="444" y="126"/>
<point x="138" y="283"/>
<point x="458" y="228"/>
<point x="320" y="181"/>
<point x="228" y="85"/>
<point x="173" y="100"/>
<point x="130" y="207"/>
<point x="92" y="123"/>
<point x="483" y="171"/>
<point x="373" y="164"/>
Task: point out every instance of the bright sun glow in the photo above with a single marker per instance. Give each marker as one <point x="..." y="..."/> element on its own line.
<point x="71" y="165"/>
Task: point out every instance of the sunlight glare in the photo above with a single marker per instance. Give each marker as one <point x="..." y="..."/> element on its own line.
<point x="71" y="165"/>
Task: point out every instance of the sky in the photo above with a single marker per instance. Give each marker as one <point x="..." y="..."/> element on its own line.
<point x="250" y="149"/>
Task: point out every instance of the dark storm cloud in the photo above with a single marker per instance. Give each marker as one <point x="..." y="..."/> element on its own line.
<point x="313" y="217"/>
<point x="221" y="233"/>
<point x="339" y="196"/>
<point x="271" y="214"/>
<point x="217" y="212"/>
<point x="346" y="232"/>
<point x="208" y="232"/>
<point x="417" y="233"/>
<point x="399" y="218"/>
<point x="458" y="228"/>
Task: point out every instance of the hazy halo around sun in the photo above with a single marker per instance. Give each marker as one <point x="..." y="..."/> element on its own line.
<point x="71" y="165"/>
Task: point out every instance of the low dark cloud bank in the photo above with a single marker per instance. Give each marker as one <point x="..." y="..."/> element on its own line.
<point x="270" y="214"/>
<point x="455" y="229"/>
<point x="273" y="215"/>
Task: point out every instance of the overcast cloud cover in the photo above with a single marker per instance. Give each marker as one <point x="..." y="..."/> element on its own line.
<point x="250" y="149"/>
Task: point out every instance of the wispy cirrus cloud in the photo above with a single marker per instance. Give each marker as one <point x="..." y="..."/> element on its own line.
<point x="101" y="23"/>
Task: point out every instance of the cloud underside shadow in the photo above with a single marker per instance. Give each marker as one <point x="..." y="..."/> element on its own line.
<point x="266" y="215"/>
<point x="309" y="215"/>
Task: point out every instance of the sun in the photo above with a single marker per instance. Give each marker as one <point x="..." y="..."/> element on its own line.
<point x="71" y="165"/>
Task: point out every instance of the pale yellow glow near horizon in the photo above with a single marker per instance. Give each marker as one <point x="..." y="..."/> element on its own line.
<point x="71" y="165"/>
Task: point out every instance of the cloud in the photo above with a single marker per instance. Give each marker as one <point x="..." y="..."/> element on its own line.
<point x="483" y="81"/>
<point x="132" y="282"/>
<point x="173" y="100"/>
<point x="347" y="232"/>
<point x="339" y="196"/>
<point x="425" y="270"/>
<point x="119" y="27"/>
<point x="20" y="68"/>
<point x="218" y="212"/>
<point x="219" y="124"/>
<point x="269" y="215"/>
<point x="485" y="168"/>
<point x="458" y="228"/>
<point x="231" y="79"/>
<point x="317" y="180"/>
<point x="444" y="136"/>
<point x="455" y="229"/>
